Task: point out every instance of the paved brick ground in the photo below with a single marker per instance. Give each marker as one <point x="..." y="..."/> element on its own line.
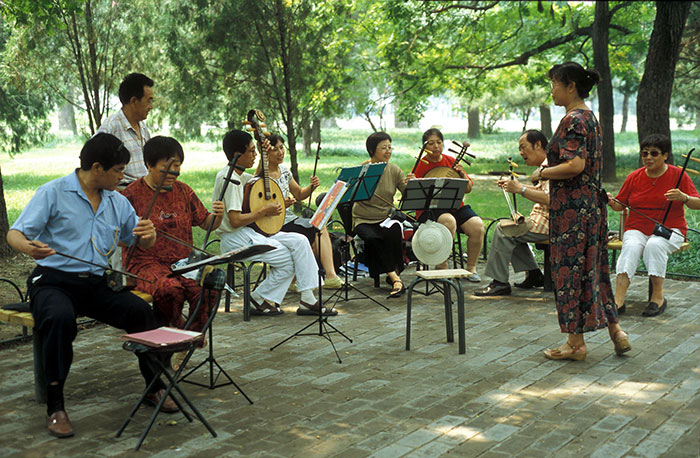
<point x="502" y="398"/>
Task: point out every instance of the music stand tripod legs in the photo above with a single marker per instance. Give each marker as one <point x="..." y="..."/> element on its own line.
<point x="211" y="360"/>
<point x="347" y="286"/>
<point x="321" y="319"/>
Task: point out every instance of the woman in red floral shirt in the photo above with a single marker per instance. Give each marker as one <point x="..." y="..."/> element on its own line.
<point x="175" y="212"/>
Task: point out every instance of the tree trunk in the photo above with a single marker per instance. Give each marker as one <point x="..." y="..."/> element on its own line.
<point x="66" y="118"/>
<point x="526" y="118"/>
<point x="306" y="135"/>
<point x="625" y="111"/>
<point x="606" y="108"/>
<point x="316" y="130"/>
<point x="5" y="250"/>
<point x="654" y="97"/>
<point x="368" y="118"/>
<point x="473" y="129"/>
<point x="546" y="120"/>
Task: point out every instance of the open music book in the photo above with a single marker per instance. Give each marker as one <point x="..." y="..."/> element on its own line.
<point x="162" y="337"/>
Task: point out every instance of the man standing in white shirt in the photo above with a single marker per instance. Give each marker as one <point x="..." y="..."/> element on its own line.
<point x="127" y="124"/>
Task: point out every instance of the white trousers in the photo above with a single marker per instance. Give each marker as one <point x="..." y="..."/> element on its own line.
<point x="292" y="256"/>
<point x="652" y="248"/>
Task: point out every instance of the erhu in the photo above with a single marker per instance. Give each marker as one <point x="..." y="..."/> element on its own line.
<point x="517" y="224"/>
<point x="114" y="280"/>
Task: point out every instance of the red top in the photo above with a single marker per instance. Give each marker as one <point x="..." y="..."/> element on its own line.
<point x="174" y="212"/>
<point x="423" y="168"/>
<point x="647" y="196"/>
<point x="445" y="161"/>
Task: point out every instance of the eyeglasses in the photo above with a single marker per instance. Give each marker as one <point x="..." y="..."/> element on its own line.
<point x="384" y="149"/>
<point x="653" y="153"/>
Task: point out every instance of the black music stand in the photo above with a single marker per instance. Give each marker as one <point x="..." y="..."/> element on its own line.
<point x="318" y="221"/>
<point x="423" y="194"/>
<point x="158" y="356"/>
<point x="362" y="182"/>
<point x="434" y="193"/>
<point x="225" y="258"/>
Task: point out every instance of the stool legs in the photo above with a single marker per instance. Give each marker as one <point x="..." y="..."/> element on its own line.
<point x="449" y="325"/>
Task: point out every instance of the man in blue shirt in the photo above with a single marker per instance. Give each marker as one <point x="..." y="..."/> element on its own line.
<point x="81" y="215"/>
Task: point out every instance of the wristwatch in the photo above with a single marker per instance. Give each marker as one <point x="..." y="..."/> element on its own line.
<point x="522" y="191"/>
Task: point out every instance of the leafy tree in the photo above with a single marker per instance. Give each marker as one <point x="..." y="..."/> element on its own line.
<point x="654" y="97"/>
<point x="60" y="42"/>
<point x="686" y="92"/>
<point x="287" y="58"/>
<point x="23" y="122"/>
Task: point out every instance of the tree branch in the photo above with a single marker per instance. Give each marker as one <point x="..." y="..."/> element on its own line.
<point x="466" y="7"/>
<point x="525" y="57"/>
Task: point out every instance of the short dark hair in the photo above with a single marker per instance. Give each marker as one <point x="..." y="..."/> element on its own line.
<point x="236" y="141"/>
<point x="569" y="72"/>
<point x="274" y="139"/>
<point x="661" y="141"/>
<point x="430" y="132"/>
<point x="105" y="149"/>
<point x="534" y="135"/>
<point x="374" y="139"/>
<point x="161" y="147"/>
<point x="132" y="86"/>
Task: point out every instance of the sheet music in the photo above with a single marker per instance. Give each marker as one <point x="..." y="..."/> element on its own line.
<point x="330" y="202"/>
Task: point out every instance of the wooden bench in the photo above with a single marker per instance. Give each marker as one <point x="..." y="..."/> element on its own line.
<point x="615" y="245"/>
<point x="26" y="320"/>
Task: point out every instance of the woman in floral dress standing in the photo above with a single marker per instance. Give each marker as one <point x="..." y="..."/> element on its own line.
<point x="578" y="218"/>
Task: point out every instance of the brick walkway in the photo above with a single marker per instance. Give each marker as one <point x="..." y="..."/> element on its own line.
<point x="502" y="398"/>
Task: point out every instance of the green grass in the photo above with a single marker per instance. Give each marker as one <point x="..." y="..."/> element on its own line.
<point x="340" y="148"/>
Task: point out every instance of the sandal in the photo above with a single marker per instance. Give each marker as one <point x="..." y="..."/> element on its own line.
<point x="621" y="342"/>
<point x="264" y="309"/>
<point x="312" y="309"/>
<point x="557" y="353"/>
<point x="396" y="292"/>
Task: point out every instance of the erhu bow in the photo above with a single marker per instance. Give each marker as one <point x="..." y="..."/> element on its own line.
<point x="318" y="156"/>
<point x="108" y="270"/>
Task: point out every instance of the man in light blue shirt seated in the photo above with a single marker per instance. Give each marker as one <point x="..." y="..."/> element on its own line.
<point x="81" y="215"/>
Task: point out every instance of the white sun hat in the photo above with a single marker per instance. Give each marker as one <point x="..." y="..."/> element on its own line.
<point x="432" y="243"/>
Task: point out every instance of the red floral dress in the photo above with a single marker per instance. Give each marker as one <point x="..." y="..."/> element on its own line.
<point x="174" y="212"/>
<point x="578" y="229"/>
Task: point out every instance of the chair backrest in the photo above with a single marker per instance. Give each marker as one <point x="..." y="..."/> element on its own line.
<point x="345" y="212"/>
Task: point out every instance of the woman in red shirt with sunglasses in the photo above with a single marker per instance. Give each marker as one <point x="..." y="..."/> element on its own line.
<point x="649" y="190"/>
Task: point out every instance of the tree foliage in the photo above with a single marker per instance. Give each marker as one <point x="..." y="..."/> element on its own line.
<point x="288" y="58"/>
<point x="67" y="47"/>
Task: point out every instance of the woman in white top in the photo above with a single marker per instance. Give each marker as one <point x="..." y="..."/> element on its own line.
<point x="293" y="192"/>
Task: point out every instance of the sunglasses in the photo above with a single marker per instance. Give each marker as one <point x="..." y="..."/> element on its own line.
<point x="649" y="153"/>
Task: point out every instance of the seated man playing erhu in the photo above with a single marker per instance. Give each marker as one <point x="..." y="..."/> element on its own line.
<point x="81" y="215"/>
<point x="506" y="249"/>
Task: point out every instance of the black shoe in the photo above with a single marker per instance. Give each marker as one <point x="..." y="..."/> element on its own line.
<point x="622" y="309"/>
<point x="533" y="279"/>
<point x="653" y="309"/>
<point x="495" y="288"/>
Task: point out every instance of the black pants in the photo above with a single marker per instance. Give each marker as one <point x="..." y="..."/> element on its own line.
<point x="383" y="248"/>
<point x="57" y="298"/>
